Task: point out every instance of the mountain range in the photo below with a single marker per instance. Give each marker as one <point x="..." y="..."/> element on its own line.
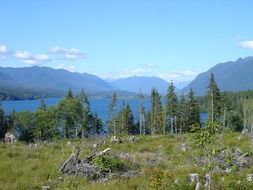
<point x="49" y="81"/>
<point x="141" y="84"/>
<point x="48" y="78"/>
<point x="230" y="76"/>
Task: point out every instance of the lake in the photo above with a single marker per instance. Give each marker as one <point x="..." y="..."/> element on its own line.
<point x="97" y="105"/>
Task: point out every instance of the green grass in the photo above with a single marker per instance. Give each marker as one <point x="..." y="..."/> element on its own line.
<point x="159" y="159"/>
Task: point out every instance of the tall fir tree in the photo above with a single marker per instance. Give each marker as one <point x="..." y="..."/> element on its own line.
<point x="193" y="111"/>
<point x="97" y="125"/>
<point x="11" y="121"/>
<point x="129" y="120"/>
<point x="125" y="120"/>
<point x="121" y="119"/>
<point x="226" y="107"/>
<point x="156" y="113"/>
<point x="40" y="120"/>
<point x="42" y="106"/>
<point x="141" y="114"/>
<point x="171" y="109"/>
<point x="25" y="126"/>
<point x="86" y="117"/>
<point x="214" y="97"/>
<point x="112" y="115"/>
<point x="70" y="113"/>
<point x="183" y="114"/>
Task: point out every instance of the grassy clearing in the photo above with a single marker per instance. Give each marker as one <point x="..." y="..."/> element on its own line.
<point x="160" y="160"/>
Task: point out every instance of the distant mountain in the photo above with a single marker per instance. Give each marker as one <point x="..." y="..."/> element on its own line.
<point x="230" y="76"/>
<point x="137" y="83"/>
<point x="180" y="85"/>
<point x="49" y="78"/>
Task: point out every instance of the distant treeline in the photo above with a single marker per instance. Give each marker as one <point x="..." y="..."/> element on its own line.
<point x="18" y="93"/>
<point x="72" y="116"/>
<point x="233" y="99"/>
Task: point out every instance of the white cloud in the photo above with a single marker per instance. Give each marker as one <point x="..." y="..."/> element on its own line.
<point x="3" y="49"/>
<point x="29" y="58"/>
<point x="57" y="49"/>
<point x="246" y="44"/>
<point x="42" y="57"/>
<point x="4" y="52"/>
<point x="68" y="54"/>
<point x="22" y="55"/>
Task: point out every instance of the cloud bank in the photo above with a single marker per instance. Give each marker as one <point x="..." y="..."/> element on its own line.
<point x="4" y="51"/>
<point x="27" y="57"/>
<point x="246" y="44"/>
<point x="68" y="54"/>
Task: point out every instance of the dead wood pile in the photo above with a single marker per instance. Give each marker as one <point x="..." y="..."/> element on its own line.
<point x="88" y="168"/>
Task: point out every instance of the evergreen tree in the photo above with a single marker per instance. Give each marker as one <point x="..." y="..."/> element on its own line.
<point x="183" y="114"/>
<point x="25" y="126"/>
<point x="214" y="96"/>
<point x="42" y="105"/>
<point x="171" y="109"/>
<point x="11" y="121"/>
<point x="121" y="119"/>
<point x="129" y="120"/>
<point x="46" y="124"/>
<point x="97" y="125"/>
<point x="141" y="114"/>
<point x="193" y="111"/>
<point x="112" y="115"/>
<point x="69" y="94"/>
<point x="225" y="109"/>
<point x="83" y="98"/>
<point x="70" y="113"/>
<point x="125" y="119"/>
<point x="156" y="113"/>
<point x="40" y="120"/>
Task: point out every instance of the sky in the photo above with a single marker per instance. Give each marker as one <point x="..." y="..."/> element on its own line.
<point x="171" y="39"/>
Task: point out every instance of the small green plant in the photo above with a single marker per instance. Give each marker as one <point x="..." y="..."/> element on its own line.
<point x="204" y="138"/>
<point x="108" y="164"/>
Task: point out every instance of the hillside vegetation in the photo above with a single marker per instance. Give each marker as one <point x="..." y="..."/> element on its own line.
<point x="160" y="161"/>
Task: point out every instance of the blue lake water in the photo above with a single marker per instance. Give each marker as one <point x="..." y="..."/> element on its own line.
<point x="100" y="106"/>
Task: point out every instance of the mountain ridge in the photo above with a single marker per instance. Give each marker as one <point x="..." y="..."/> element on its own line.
<point x="230" y="76"/>
<point x="142" y="84"/>
<point x="59" y="79"/>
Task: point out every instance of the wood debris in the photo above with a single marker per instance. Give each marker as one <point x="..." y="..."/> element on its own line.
<point x="89" y="169"/>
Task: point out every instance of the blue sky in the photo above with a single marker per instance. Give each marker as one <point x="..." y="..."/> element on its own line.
<point x="173" y="39"/>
